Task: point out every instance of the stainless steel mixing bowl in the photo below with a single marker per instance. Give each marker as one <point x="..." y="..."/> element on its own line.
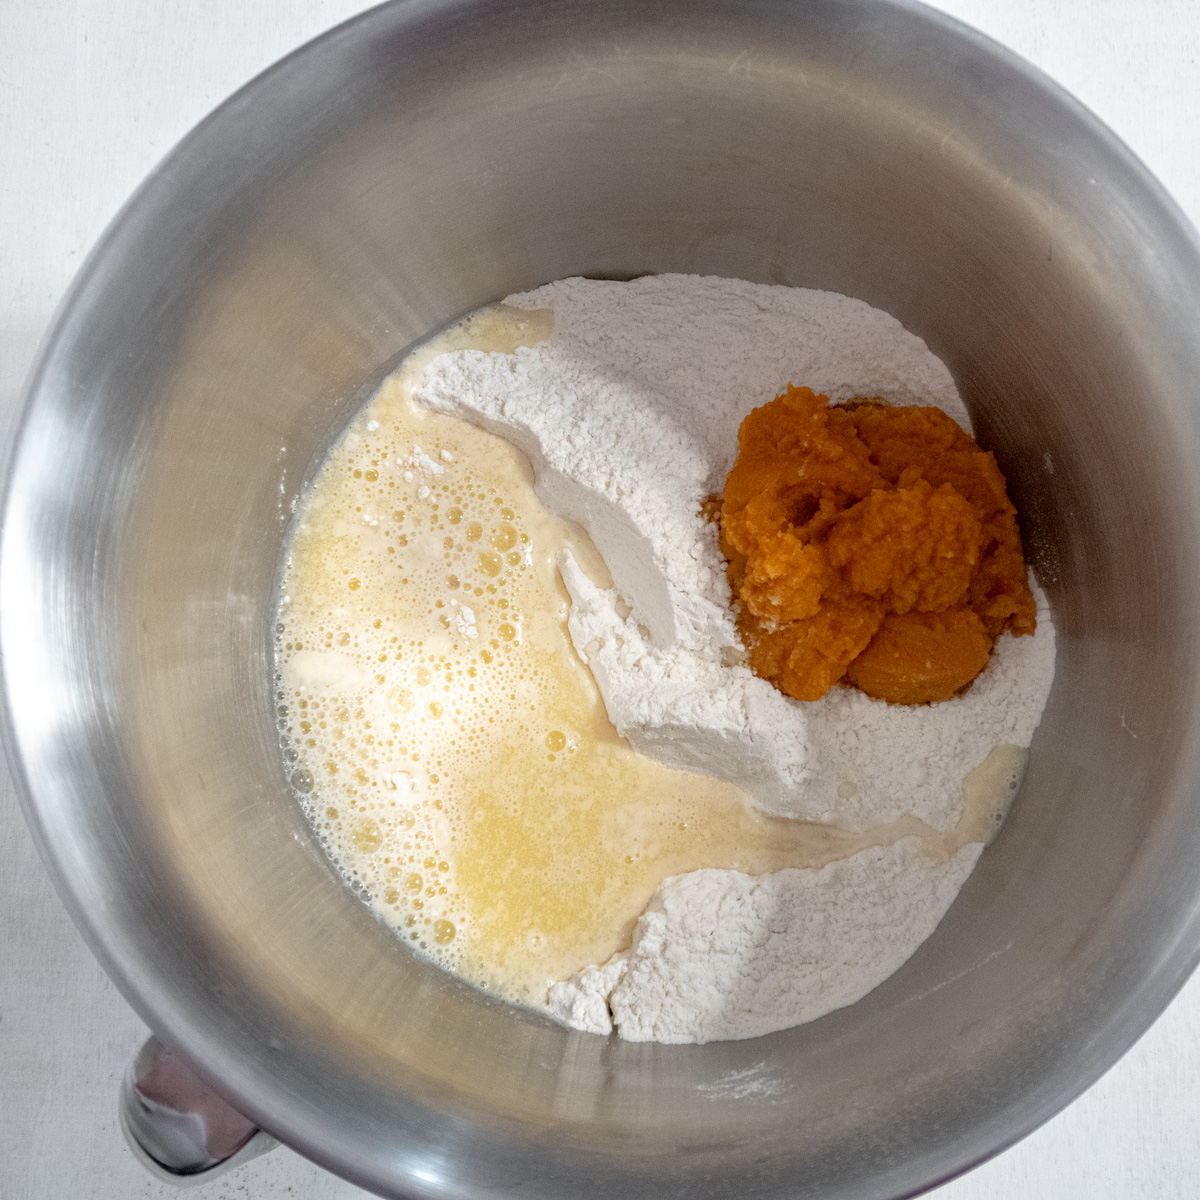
<point x="436" y="154"/>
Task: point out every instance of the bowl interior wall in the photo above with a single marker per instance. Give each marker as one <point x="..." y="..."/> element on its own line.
<point x="194" y="386"/>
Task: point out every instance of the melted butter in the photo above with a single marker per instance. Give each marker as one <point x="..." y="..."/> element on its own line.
<point x="988" y="793"/>
<point x="449" y="746"/>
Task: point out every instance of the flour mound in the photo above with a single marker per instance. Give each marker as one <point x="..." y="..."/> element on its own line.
<point x="629" y="413"/>
<point x="719" y="955"/>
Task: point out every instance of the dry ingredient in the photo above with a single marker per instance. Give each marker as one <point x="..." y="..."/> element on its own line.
<point x="721" y="955"/>
<point x="468" y="780"/>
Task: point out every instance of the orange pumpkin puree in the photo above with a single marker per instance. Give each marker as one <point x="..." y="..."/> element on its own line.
<point x="870" y="545"/>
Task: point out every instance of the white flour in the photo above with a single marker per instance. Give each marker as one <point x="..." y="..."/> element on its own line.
<point x="629" y="413"/>
<point x="722" y="955"/>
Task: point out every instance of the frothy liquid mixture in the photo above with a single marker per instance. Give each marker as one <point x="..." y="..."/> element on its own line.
<point x="450" y="748"/>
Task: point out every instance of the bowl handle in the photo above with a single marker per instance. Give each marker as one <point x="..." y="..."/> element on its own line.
<point x="177" y="1126"/>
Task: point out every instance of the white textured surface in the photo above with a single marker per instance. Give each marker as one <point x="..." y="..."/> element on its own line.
<point x="719" y="955"/>
<point x="92" y="94"/>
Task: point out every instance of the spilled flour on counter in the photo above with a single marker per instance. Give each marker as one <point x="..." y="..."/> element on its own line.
<point x="627" y="403"/>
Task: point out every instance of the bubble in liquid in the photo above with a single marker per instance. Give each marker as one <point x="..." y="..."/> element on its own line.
<point x="302" y="781"/>
<point x="443" y="932"/>
<point x="367" y="836"/>
<point x="504" y="537"/>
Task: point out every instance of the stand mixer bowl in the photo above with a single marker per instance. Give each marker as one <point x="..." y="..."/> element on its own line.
<point x="434" y="155"/>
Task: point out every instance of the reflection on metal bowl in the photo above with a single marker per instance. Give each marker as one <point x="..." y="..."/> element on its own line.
<point x="412" y="165"/>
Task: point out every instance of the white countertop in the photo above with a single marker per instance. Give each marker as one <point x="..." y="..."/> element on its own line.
<point x="92" y="94"/>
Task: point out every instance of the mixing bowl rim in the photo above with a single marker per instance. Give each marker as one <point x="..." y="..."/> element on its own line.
<point x="132" y="972"/>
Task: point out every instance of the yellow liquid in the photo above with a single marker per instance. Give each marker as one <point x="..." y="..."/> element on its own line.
<point x="451" y="749"/>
